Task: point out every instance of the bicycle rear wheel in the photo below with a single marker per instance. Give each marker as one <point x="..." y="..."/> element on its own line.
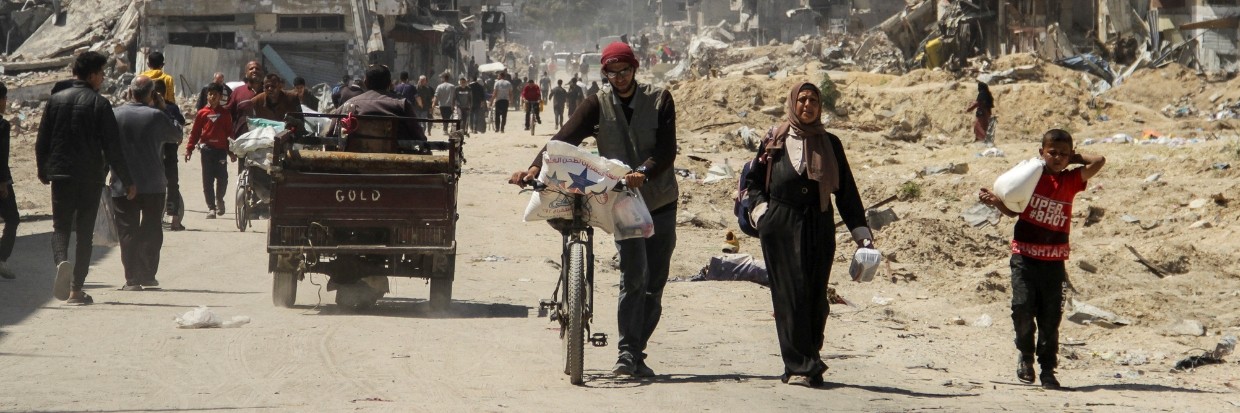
<point x="242" y="209"/>
<point x="574" y="311"/>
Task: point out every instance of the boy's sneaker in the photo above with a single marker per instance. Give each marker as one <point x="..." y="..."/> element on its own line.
<point x="64" y="280"/>
<point x="1048" y="380"/>
<point x="642" y="370"/>
<point x="131" y="287"/>
<point x="5" y="272"/>
<point x="211" y="214"/>
<point x="1024" y="371"/>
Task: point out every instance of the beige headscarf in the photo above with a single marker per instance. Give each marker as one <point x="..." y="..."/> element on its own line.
<point x="819" y="157"/>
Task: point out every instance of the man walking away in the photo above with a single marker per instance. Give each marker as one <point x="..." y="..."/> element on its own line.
<point x="422" y="105"/>
<point x="8" y="200"/>
<point x="77" y="138"/>
<point x="465" y="104"/>
<point x="210" y="133"/>
<point x="544" y="85"/>
<point x="558" y="95"/>
<point x="175" y="205"/>
<point x="478" y="109"/>
<point x="202" y="94"/>
<point x="575" y="96"/>
<point x="344" y="83"/>
<point x="405" y="90"/>
<point x="499" y="101"/>
<point x="144" y="131"/>
<point x="156" y="62"/>
<point x="445" y="98"/>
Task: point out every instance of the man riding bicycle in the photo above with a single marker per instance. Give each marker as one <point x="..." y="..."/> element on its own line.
<point x="532" y="95"/>
<point x="636" y="125"/>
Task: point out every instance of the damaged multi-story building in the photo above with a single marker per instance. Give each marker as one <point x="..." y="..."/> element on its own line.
<point x="319" y="40"/>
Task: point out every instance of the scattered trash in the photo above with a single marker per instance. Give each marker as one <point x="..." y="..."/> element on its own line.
<point x="954" y="168"/>
<point x="733" y="267"/>
<point x="1153" y="178"/>
<point x="1185" y="328"/>
<point x="203" y="317"/>
<point x="1219" y="166"/>
<point x="991" y="153"/>
<point x="719" y="172"/>
<point x="1085" y="313"/>
<point x="1087" y="266"/>
<point x="1133" y="359"/>
<point x="880" y="300"/>
<point x="490" y="258"/>
<point x="1094" y="215"/>
<point x="1222" y="349"/>
<point x="983" y="321"/>
<point x="981" y="214"/>
<point x="1161" y="273"/>
<point x="524" y="280"/>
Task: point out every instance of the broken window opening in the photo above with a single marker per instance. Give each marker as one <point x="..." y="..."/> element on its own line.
<point x="214" y="40"/>
<point x="314" y="23"/>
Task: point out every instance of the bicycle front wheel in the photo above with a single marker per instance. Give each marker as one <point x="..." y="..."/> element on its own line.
<point x="242" y="209"/>
<point x="574" y="311"/>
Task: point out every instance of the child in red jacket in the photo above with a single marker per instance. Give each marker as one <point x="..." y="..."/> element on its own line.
<point x="212" y="129"/>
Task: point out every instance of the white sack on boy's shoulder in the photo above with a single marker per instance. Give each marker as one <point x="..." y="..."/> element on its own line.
<point x="1015" y="187"/>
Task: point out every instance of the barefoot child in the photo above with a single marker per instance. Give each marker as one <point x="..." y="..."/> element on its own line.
<point x="1039" y="249"/>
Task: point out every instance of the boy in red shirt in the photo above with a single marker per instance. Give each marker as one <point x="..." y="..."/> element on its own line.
<point x="1039" y="249"/>
<point x="532" y="94"/>
<point x="212" y="129"/>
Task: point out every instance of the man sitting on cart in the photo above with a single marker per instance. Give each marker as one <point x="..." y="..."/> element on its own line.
<point x="379" y="100"/>
<point x="272" y="104"/>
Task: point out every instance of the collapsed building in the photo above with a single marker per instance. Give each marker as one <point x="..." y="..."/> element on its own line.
<point x="318" y="40"/>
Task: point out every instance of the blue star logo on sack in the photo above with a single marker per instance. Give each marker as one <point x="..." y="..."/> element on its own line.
<point x="581" y="181"/>
<point x="554" y="182"/>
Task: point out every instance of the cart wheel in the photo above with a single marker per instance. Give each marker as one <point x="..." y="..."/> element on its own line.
<point x="242" y="209"/>
<point x="284" y="288"/>
<point x="441" y="293"/>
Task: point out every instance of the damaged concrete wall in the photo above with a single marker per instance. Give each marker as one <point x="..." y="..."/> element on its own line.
<point x="88" y="24"/>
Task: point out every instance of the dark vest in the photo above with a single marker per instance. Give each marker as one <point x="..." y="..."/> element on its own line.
<point x="633" y="142"/>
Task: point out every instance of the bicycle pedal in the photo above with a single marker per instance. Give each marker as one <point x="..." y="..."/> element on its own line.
<point x="598" y="340"/>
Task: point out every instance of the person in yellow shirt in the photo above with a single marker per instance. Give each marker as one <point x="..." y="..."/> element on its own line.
<point x="155" y="61"/>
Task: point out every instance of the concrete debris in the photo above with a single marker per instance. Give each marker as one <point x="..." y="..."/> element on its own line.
<point x="1200" y="224"/>
<point x="1087" y="266"/>
<point x="1185" y="328"/>
<point x="1085" y="313"/>
<point x="981" y="214"/>
<point x="952" y="168"/>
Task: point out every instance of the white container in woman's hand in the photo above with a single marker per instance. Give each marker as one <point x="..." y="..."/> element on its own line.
<point x="864" y="264"/>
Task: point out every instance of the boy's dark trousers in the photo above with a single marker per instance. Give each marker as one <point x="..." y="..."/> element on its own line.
<point x="1037" y="296"/>
<point x="138" y="225"/>
<point x="8" y="211"/>
<point x="176" y="205"/>
<point x="501" y="114"/>
<point x="214" y="176"/>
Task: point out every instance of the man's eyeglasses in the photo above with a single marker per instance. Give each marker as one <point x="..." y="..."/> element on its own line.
<point x="612" y="75"/>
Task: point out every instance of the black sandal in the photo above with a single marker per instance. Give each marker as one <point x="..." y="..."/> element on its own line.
<point x="85" y="299"/>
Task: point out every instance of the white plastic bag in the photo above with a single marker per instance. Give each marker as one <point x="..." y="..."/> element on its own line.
<point x="1015" y="187"/>
<point x="568" y="169"/>
<point x="631" y="217"/>
<point x="864" y="264"/>
<point x="105" y="223"/>
<point x="203" y="317"/>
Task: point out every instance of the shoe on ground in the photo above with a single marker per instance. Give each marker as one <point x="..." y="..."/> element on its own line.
<point x="1049" y="381"/>
<point x="624" y="366"/>
<point x="176" y="227"/>
<point x="81" y="298"/>
<point x="805" y="381"/>
<point x="642" y="370"/>
<point x="131" y="287"/>
<point x="219" y="211"/>
<point x="1024" y="371"/>
<point x="64" y="280"/>
<point x="5" y="272"/>
<point x="150" y="284"/>
<point x="211" y="214"/>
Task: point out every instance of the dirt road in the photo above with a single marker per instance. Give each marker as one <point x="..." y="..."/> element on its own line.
<point x="714" y="351"/>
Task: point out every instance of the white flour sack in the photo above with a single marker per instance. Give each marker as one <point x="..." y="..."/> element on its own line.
<point x="569" y="169"/>
<point x="1015" y="187"/>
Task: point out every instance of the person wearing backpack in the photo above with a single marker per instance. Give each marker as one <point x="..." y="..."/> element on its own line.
<point x="799" y="167"/>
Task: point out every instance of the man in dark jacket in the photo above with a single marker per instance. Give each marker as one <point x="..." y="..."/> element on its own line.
<point x="379" y="100"/>
<point x="477" y="110"/>
<point x="77" y="139"/>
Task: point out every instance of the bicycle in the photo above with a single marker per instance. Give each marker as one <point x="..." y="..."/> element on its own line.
<point x="573" y="305"/>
